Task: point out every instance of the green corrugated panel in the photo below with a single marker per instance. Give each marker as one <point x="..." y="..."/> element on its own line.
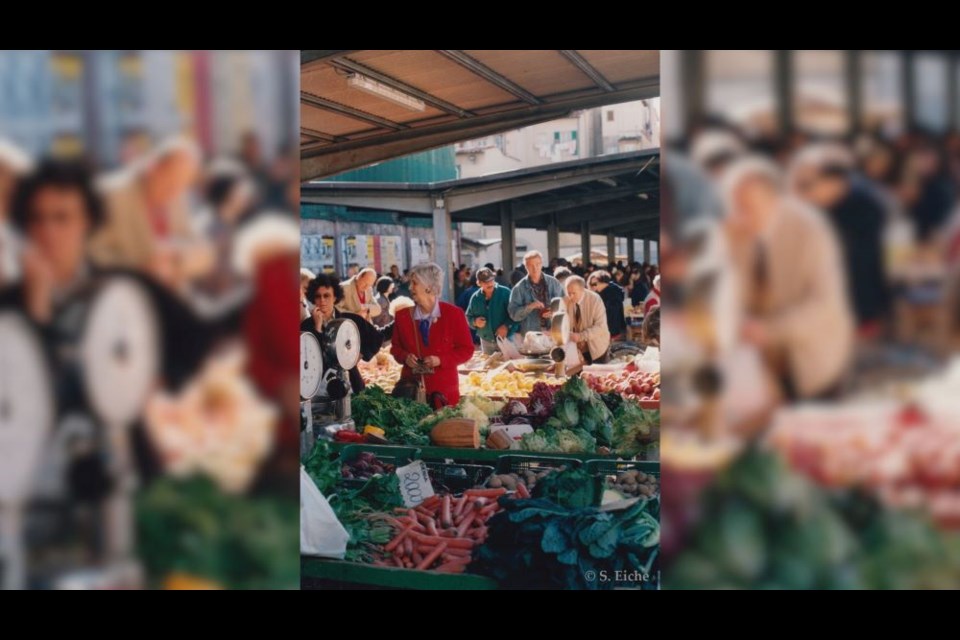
<point x="428" y="166"/>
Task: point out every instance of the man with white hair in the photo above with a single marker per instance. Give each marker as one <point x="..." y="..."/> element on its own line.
<point x="790" y="269"/>
<point x="530" y="298"/>
<point x="358" y="295"/>
<point x="146" y="209"/>
<point x="14" y="163"/>
<point x="588" y="321"/>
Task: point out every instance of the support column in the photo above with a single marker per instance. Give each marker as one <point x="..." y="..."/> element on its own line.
<point x="783" y="83"/>
<point x="611" y="248"/>
<point x="631" y="250"/>
<point x="908" y="89"/>
<point x="646" y="251"/>
<point x="553" y="239"/>
<point x="508" y="235"/>
<point x="854" y="82"/>
<point x="441" y="244"/>
<point x="693" y="76"/>
<point x="585" y="243"/>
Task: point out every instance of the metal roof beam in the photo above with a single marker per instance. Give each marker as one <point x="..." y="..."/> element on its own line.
<point x="316" y="55"/>
<point x="406" y="202"/>
<point x="478" y="68"/>
<point x="537" y="208"/>
<point x="355" y="67"/>
<point x="350" y="112"/>
<point x="588" y="69"/>
<point x="320" y="135"/>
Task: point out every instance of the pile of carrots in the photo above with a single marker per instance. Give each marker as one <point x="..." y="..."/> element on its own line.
<point x="441" y="533"/>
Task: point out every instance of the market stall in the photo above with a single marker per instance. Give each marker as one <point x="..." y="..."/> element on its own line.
<point x="431" y="498"/>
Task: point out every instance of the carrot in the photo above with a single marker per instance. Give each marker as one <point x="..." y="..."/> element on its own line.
<point x="489" y="510"/>
<point x="451" y="567"/>
<point x="408" y="547"/>
<point x="397" y="561"/>
<point x="445" y="516"/>
<point x="412" y="514"/>
<point x="431" y="502"/>
<point x="430" y="559"/>
<point x="417" y="557"/>
<point x="522" y="491"/>
<point x="485" y="493"/>
<point x="479" y="503"/>
<point x="402" y="510"/>
<point x="457" y="543"/>
<point x="396" y="540"/>
<point x="467" y="521"/>
<point x="461" y="503"/>
<point x="457" y="553"/>
<point x="407" y="563"/>
<point x="448" y="533"/>
<point x="432" y="528"/>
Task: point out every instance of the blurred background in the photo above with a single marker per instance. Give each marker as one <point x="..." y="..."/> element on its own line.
<point x="149" y="255"/>
<point x="811" y="436"/>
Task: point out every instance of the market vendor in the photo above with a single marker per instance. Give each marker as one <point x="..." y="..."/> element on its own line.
<point x="326" y="293"/>
<point x="588" y="321"/>
<point x="358" y="295"/>
<point x="433" y="336"/>
<point x="530" y="298"/>
<point x="488" y="311"/>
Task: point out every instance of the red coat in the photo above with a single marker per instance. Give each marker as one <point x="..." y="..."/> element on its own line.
<point x="450" y="341"/>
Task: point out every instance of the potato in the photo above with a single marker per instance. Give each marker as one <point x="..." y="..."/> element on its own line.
<point x="508" y="481"/>
<point x="495" y="482"/>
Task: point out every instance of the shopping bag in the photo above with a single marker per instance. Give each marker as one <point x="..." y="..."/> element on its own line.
<point x="508" y="349"/>
<point x="321" y="534"/>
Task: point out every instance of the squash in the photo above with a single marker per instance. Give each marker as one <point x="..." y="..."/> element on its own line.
<point x="456" y="432"/>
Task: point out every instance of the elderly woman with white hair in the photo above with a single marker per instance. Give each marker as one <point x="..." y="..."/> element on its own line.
<point x="432" y="339"/>
<point x="791" y="273"/>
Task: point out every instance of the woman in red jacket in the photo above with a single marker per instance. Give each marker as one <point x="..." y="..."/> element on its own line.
<point x="434" y="333"/>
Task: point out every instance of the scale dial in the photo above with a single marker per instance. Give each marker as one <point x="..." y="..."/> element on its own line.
<point x="344" y="341"/>
<point x="26" y="406"/>
<point x="120" y="351"/>
<point x="311" y="365"/>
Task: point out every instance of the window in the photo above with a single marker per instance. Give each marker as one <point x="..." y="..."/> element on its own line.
<point x="609" y="116"/>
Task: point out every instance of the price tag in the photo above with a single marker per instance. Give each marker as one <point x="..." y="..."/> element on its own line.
<point x="415" y="484"/>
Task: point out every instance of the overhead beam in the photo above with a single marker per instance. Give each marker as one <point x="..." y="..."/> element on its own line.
<point x="347" y="64"/>
<point x="400" y="201"/>
<point x="478" y="68"/>
<point x="320" y="135"/>
<point x="524" y="210"/>
<point x="588" y="69"/>
<point x="318" y="55"/>
<point x="603" y="223"/>
<point x="361" y="152"/>
<point x="350" y="112"/>
<point x="590" y="213"/>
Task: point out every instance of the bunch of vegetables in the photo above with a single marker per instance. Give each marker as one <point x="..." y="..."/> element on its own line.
<point x="634" y="429"/>
<point x="441" y="533"/>
<point x="542" y="400"/>
<point x="398" y="417"/>
<point x="629" y="383"/>
<point x="765" y="526"/>
<point x="522" y="482"/>
<point x="539" y="544"/>
<point x="634" y="482"/>
<point x="576" y="406"/>
<point x="548" y="440"/>
<point x="190" y="526"/>
<point x="382" y="371"/>
<point x="571" y="488"/>
<point x="365" y="466"/>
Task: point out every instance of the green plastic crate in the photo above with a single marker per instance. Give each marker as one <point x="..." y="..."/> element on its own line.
<point x="514" y="463"/>
<point x="606" y="469"/>
<point x="339" y="571"/>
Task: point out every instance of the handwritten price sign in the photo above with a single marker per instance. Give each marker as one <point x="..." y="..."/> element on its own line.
<point x="415" y="484"/>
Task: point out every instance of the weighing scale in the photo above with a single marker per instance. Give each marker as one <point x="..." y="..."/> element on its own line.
<point x="120" y="362"/>
<point x="325" y="379"/>
<point x="560" y="332"/>
<point x="26" y="421"/>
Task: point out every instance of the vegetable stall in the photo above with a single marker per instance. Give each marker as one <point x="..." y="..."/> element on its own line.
<point x="530" y="481"/>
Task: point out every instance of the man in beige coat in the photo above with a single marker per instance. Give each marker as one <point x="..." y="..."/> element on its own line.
<point x="358" y="295"/>
<point x="146" y="210"/>
<point x="588" y="320"/>
<point x="791" y="273"/>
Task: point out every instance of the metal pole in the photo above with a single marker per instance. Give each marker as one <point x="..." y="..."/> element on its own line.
<point x="611" y="249"/>
<point x="508" y="235"/>
<point x="783" y="81"/>
<point x="693" y="75"/>
<point x="953" y="105"/>
<point x="854" y="81"/>
<point x="585" y="243"/>
<point x="908" y="89"/>
<point x="553" y="239"/>
<point x="646" y="251"/>
<point x="631" y="249"/>
<point x="441" y="239"/>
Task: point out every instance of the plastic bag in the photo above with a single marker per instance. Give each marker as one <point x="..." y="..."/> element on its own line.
<point x="508" y="349"/>
<point x="321" y="534"/>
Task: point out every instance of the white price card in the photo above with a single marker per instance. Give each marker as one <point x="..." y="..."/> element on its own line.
<point x="415" y="484"/>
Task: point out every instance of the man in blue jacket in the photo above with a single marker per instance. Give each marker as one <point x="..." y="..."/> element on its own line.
<point x="530" y="298"/>
<point x="487" y="311"/>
